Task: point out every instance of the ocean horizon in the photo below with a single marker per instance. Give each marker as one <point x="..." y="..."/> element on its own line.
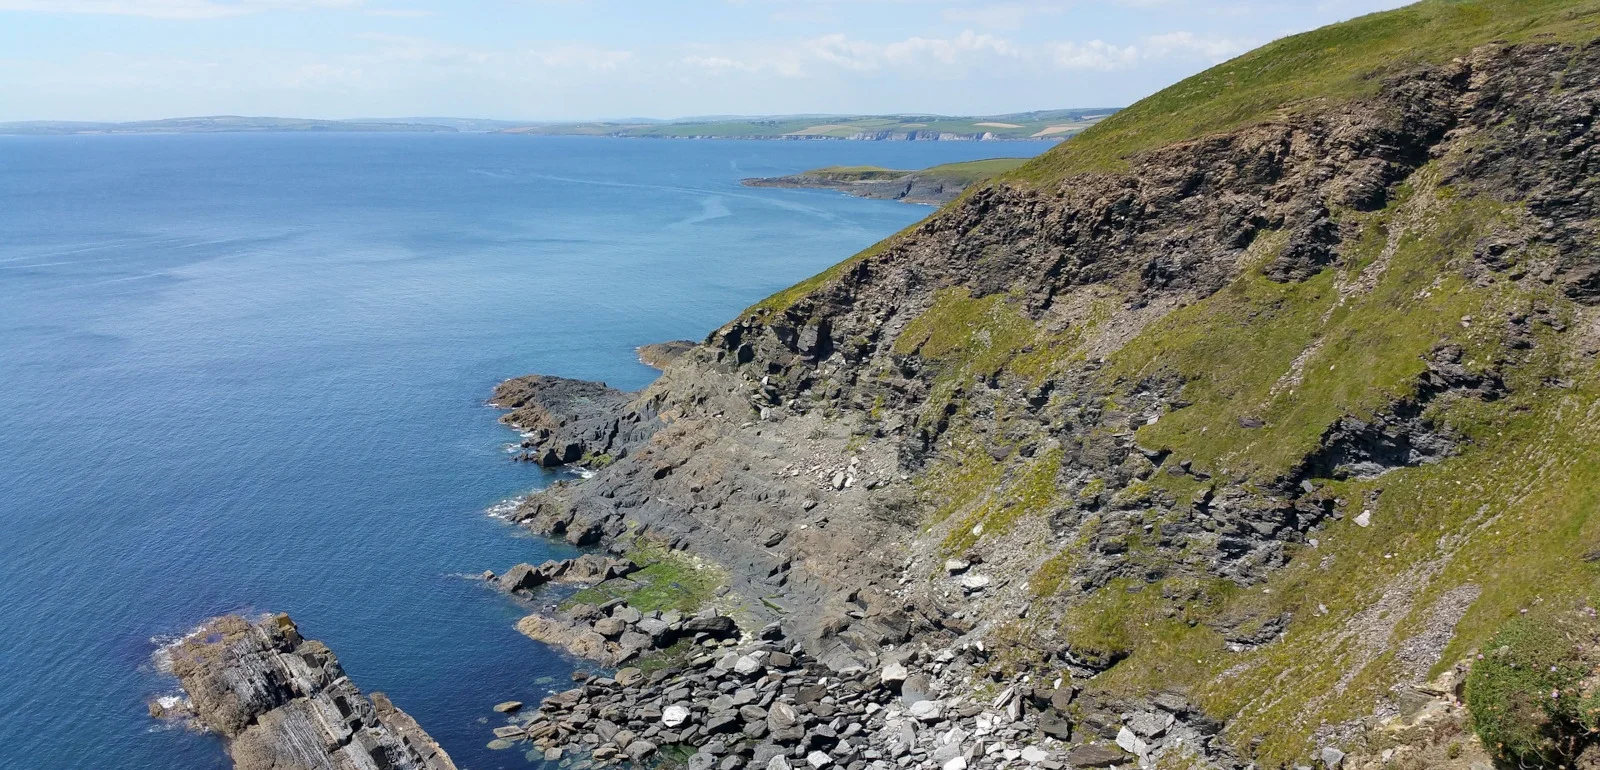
<point x="248" y="373"/>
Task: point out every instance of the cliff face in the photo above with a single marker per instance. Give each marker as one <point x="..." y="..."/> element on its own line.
<point x="910" y="187"/>
<point x="284" y="703"/>
<point x="1287" y="416"/>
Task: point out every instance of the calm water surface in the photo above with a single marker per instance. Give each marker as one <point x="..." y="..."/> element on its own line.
<point x="247" y="372"/>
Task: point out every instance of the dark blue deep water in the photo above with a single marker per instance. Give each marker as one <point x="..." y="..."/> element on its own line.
<point x="247" y="372"/>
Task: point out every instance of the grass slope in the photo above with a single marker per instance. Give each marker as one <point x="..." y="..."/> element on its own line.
<point x="1507" y="525"/>
<point x="1050" y="124"/>
<point x="957" y="173"/>
<point x="1313" y="71"/>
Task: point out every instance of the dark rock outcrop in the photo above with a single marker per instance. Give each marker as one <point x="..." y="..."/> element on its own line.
<point x="614" y="633"/>
<point x="909" y="187"/>
<point x="587" y="569"/>
<point x="565" y="421"/>
<point x="283" y="702"/>
<point x="835" y="446"/>
<point x="659" y="354"/>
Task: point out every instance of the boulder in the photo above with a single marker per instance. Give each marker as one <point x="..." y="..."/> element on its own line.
<point x="725" y="722"/>
<point x="640" y="750"/>
<point x="927" y="710"/>
<point x="673" y="716"/>
<point x="658" y="630"/>
<point x="715" y="625"/>
<point x="610" y="628"/>
<point x="1131" y="743"/>
<point x="915" y="687"/>
<point x="1150" y="724"/>
<point x="508" y="707"/>
<point x="1055" y="726"/>
<point x="1096" y="755"/>
<point x="893" y="675"/>
<point x="1332" y="758"/>
<point x="522" y="577"/>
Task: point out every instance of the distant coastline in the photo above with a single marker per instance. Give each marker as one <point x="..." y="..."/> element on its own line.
<point x="934" y="186"/>
<point x="1045" y="126"/>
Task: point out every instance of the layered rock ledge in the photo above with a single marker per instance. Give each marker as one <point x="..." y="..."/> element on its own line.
<point x="283" y="702"/>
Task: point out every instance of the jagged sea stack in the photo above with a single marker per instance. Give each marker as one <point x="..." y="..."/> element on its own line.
<point x="283" y="702"/>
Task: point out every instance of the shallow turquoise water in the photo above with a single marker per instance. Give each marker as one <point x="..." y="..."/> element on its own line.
<point x="247" y="372"/>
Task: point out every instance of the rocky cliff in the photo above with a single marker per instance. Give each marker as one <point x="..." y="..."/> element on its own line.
<point x="934" y="186"/>
<point x="1276" y="392"/>
<point x="283" y="703"/>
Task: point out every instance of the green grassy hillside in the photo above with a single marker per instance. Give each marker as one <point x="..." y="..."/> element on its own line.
<point x="1042" y="125"/>
<point x="1439" y="555"/>
<point x="1313" y="71"/>
<point x="959" y="173"/>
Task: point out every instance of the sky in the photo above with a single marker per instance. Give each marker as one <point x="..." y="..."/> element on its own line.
<point x="610" y="59"/>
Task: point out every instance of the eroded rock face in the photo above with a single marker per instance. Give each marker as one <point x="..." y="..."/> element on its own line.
<point x="909" y="187"/>
<point x="795" y="446"/>
<point x="567" y="420"/>
<point x="283" y="703"/>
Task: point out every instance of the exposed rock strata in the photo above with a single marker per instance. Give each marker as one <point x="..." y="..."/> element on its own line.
<point x="567" y="420"/>
<point x="587" y="569"/>
<point x="283" y="703"/>
<point x="658" y="355"/>
<point x="797" y="444"/>
<point x="912" y="187"/>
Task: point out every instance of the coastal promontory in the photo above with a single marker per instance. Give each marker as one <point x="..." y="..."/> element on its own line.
<point x="283" y="702"/>
<point x="932" y="186"/>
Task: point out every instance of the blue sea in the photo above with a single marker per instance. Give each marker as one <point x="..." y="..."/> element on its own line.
<point x="247" y="373"/>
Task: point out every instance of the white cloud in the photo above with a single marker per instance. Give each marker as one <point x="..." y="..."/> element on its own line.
<point x="1179" y="44"/>
<point x="966" y="53"/>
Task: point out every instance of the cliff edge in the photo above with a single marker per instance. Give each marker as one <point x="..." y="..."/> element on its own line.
<point x="1276" y="392"/>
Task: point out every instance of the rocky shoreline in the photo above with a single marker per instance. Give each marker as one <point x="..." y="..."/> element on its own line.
<point x="282" y="702"/>
<point x="859" y="679"/>
<point x="736" y="700"/>
<point x="910" y="188"/>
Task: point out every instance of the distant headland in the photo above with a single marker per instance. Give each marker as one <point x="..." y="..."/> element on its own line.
<point x="931" y="186"/>
<point x="1043" y="125"/>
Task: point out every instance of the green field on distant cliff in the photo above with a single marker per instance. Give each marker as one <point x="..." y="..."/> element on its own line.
<point x="1042" y="125"/>
<point x="958" y="173"/>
